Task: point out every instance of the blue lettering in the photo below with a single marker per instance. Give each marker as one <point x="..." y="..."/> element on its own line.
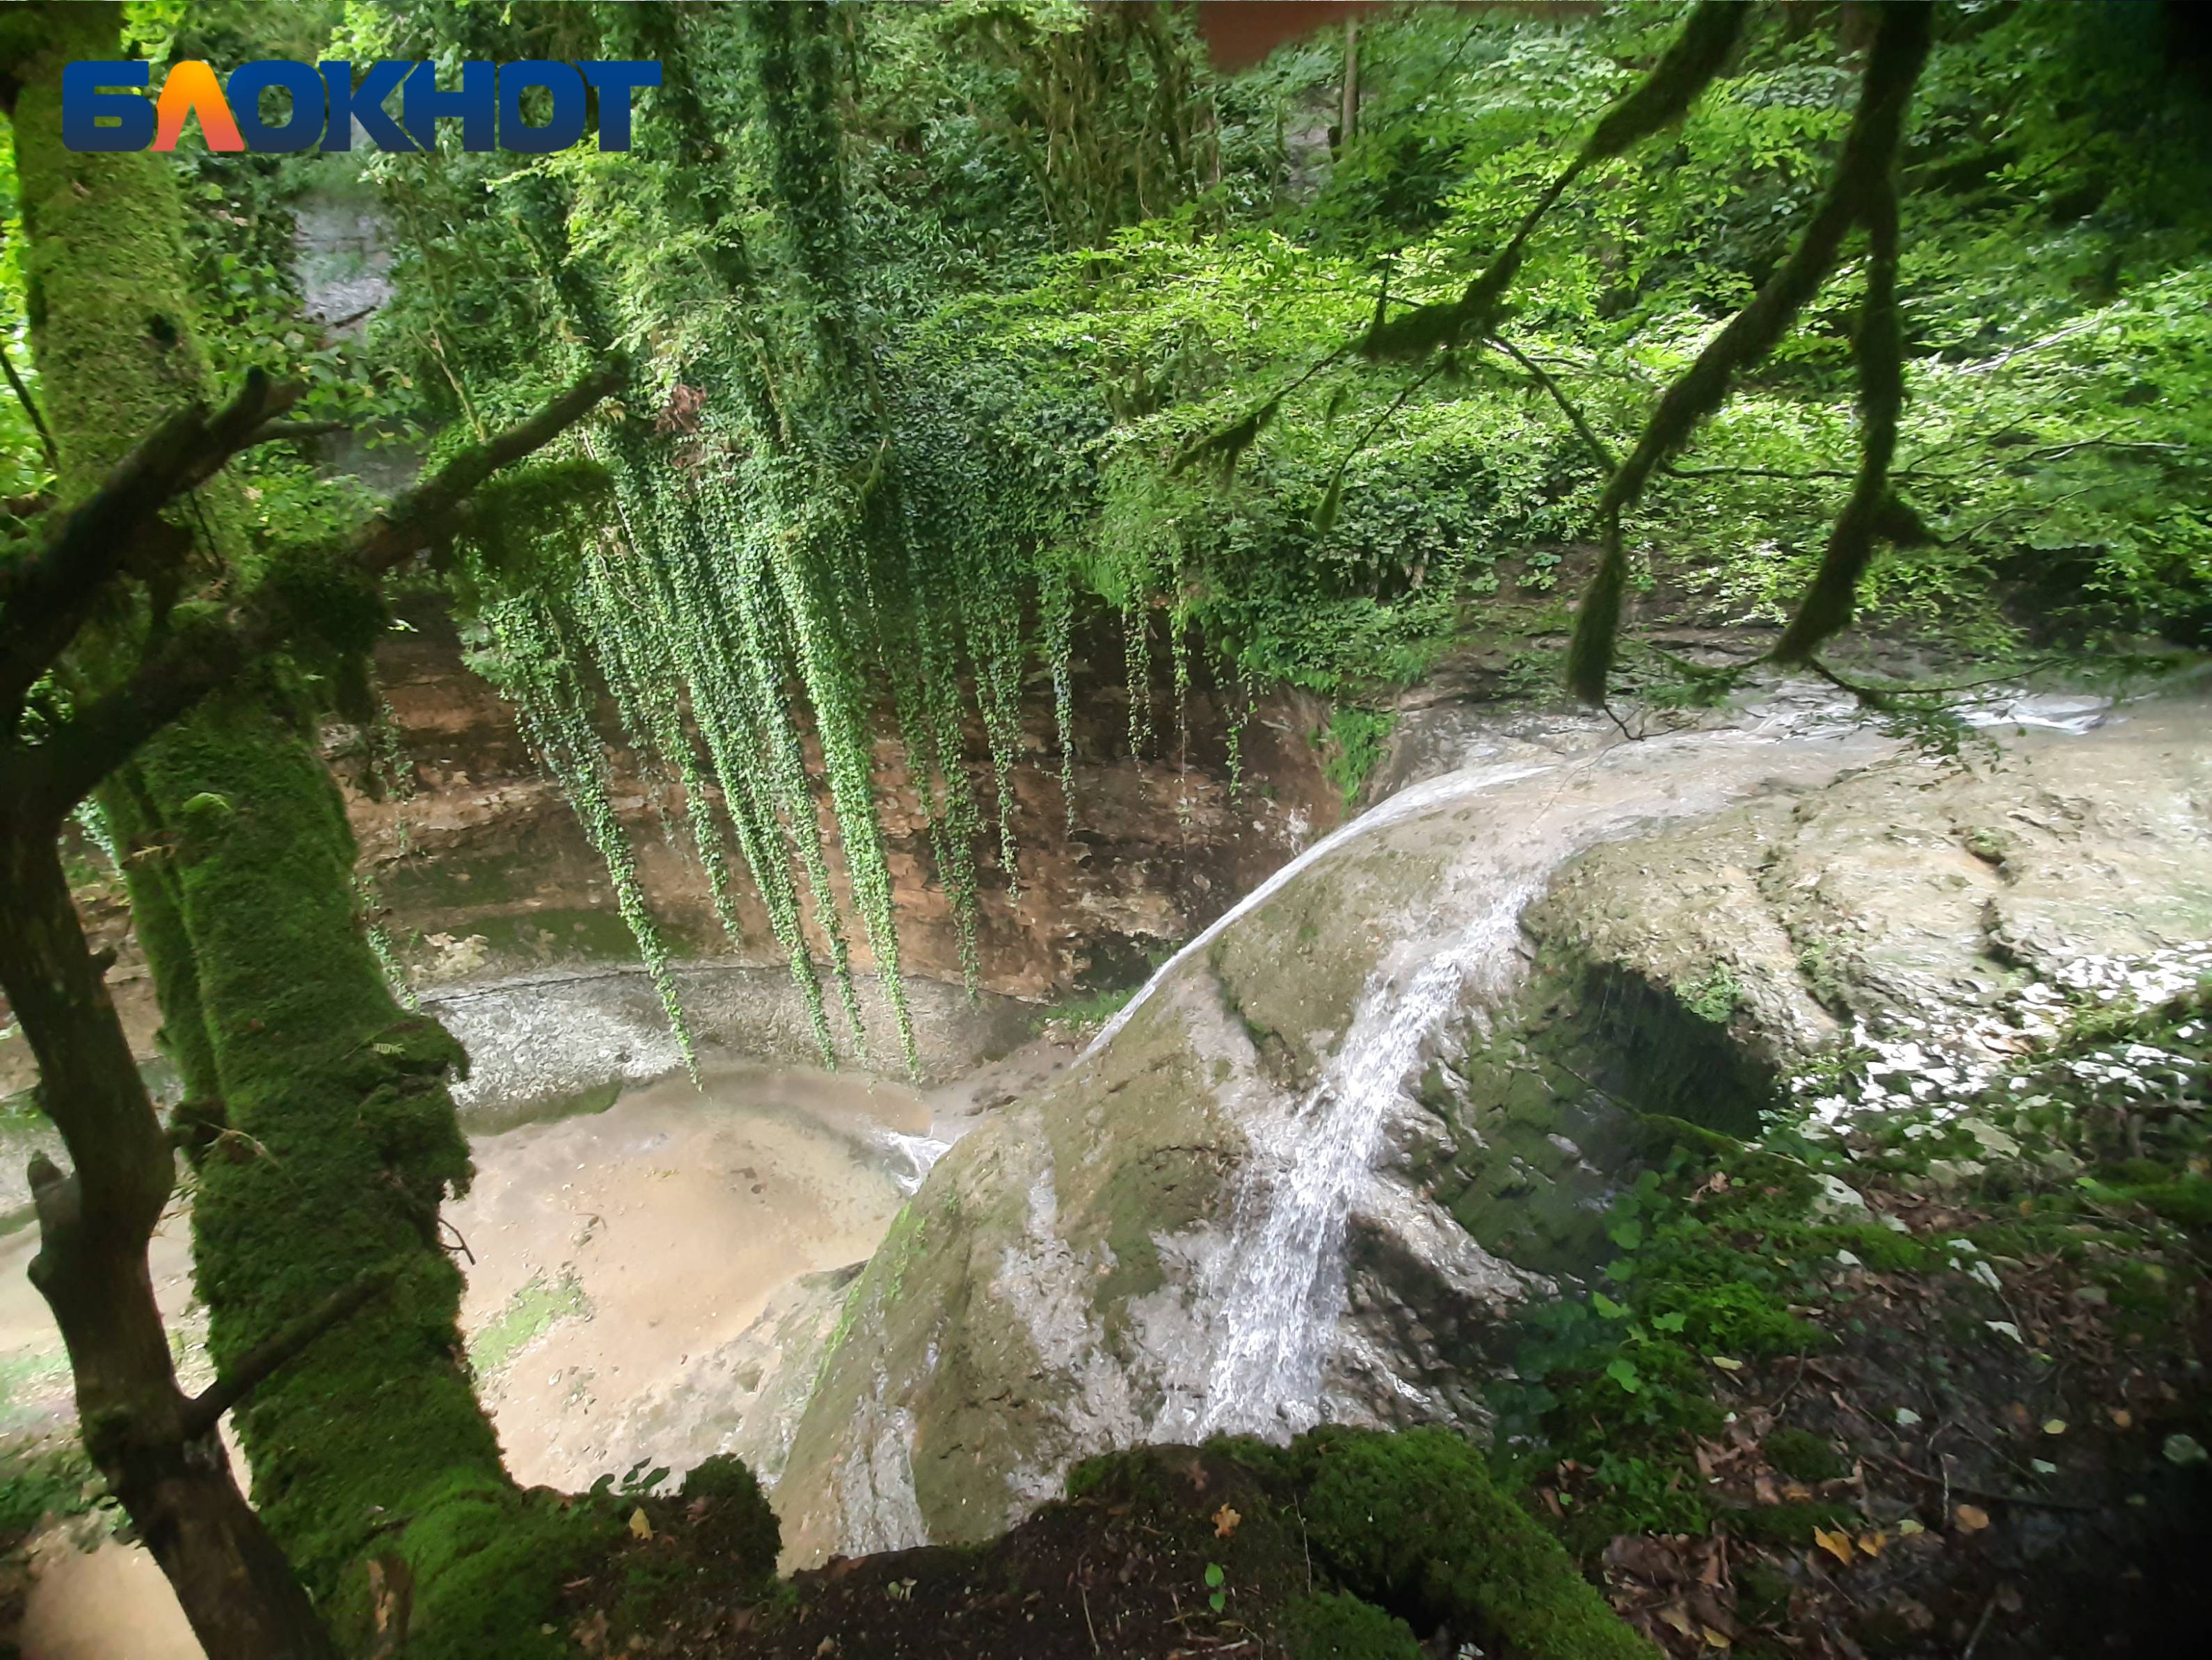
<point x="615" y="80"/>
<point x="84" y="105"/>
<point x="365" y="106"/>
<point x="299" y="130"/>
<point x="566" y="87"/>
<point x="424" y="102"/>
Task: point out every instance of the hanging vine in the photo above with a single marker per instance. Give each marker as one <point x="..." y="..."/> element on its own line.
<point x="536" y="664"/>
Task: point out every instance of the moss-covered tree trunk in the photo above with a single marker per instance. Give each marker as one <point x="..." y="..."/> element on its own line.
<point x="159" y="1456"/>
<point x="339" y="1137"/>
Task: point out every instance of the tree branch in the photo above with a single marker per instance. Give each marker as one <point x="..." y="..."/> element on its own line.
<point x="205" y="1409"/>
<point x="1596" y="445"/>
<point x="191" y="662"/>
<point x="49" y="594"/>
<point x="30" y="408"/>
<point x="1828" y="603"/>
<point x="1869" y="152"/>
<point x="293" y="432"/>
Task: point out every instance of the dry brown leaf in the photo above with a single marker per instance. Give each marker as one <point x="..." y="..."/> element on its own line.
<point x="1971" y="1518"/>
<point x="1225" y="1522"/>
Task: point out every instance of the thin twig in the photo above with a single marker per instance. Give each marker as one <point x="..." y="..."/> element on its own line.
<point x="206" y="1410"/>
<point x="31" y="409"/>
<point x="1597" y="447"/>
<point x="1980" y="1626"/>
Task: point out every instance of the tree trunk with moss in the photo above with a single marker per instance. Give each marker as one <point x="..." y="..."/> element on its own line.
<point x="331" y="1138"/>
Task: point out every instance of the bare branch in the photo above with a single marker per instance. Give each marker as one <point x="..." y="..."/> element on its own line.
<point x="255" y="1367"/>
<point x="1596" y="445"/>
<point x="191" y="663"/>
<point x="292" y="432"/>
<point x="30" y="408"/>
<point x="50" y="593"/>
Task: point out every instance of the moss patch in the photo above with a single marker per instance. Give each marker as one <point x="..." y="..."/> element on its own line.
<point x="537" y="1306"/>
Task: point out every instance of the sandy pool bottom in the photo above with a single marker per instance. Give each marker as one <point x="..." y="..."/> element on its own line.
<point x="636" y="1278"/>
<point x="622" y="1259"/>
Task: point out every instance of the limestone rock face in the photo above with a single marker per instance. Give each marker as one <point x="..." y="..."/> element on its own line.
<point x="487" y="874"/>
<point x="1236" y="1212"/>
<point x="1913" y="888"/>
<point x="1388" y="1098"/>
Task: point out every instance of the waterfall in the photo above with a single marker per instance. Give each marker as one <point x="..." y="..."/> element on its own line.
<point x="1286" y="1266"/>
<point x="1407" y="804"/>
<point x="1275" y="1295"/>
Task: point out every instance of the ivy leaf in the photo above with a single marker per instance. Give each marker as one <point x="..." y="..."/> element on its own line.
<point x="1606" y="1306"/>
<point x="1324" y="519"/>
<point x="1623" y="1372"/>
<point x="1628" y="1234"/>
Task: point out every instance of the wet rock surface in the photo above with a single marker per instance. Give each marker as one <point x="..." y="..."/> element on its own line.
<point x="1311" y="1172"/>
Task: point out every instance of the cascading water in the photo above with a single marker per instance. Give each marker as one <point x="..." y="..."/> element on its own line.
<point x="1217" y="1219"/>
<point x="1286" y="1264"/>
<point x="1278" y="1289"/>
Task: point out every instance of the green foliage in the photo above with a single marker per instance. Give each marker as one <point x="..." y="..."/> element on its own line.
<point x="743" y="1520"/>
<point x="1352" y="747"/>
<point x="1716" y="997"/>
<point x="959" y="325"/>
<point x="37" y="1479"/>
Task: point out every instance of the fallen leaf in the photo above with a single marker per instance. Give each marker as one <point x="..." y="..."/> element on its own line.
<point x="1838" y="1544"/>
<point x="2123" y="1418"/>
<point x="1725" y="1364"/>
<point x="1796" y="1491"/>
<point x="638" y="1525"/>
<point x="1677" y="1618"/>
<point x="1714" y="1639"/>
<point x="1225" y="1522"/>
<point x="1871" y="1543"/>
<point x="1908" y="1527"/>
<point x="1971" y="1518"/>
<point x="2054" y="1426"/>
